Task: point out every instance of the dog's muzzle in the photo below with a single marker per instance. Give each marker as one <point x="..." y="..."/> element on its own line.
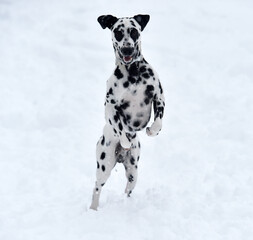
<point x="127" y="53"/>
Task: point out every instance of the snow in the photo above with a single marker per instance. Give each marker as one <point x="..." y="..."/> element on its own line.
<point x="195" y="178"/>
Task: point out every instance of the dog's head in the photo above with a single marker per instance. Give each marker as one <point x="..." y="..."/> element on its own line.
<point x="125" y="35"/>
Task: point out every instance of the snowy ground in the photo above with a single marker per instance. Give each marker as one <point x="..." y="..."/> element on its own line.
<point x="195" y="178"/>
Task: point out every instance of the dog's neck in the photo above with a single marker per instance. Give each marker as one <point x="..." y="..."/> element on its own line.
<point x="133" y="68"/>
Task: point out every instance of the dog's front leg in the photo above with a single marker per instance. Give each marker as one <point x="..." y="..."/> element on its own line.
<point x="158" y="104"/>
<point x="112" y="117"/>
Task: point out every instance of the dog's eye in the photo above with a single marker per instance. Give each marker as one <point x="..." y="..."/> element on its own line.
<point x="118" y="35"/>
<point x="134" y="34"/>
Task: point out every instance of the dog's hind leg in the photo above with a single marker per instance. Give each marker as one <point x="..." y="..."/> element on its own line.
<point x="131" y="166"/>
<point x="106" y="161"/>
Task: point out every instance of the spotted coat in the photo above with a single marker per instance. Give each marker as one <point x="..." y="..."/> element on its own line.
<point x="131" y="91"/>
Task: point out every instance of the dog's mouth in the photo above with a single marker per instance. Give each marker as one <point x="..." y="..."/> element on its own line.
<point x="127" y="54"/>
<point x="127" y="59"/>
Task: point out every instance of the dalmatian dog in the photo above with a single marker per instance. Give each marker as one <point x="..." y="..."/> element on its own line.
<point x="132" y="90"/>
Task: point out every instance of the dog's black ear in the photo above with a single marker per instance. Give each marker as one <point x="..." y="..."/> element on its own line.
<point x="142" y="20"/>
<point x="107" y="21"/>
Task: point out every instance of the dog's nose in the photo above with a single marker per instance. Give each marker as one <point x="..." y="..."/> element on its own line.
<point x="127" y="51"/>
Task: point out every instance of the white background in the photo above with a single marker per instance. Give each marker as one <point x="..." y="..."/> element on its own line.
<point x="195" y="178"/>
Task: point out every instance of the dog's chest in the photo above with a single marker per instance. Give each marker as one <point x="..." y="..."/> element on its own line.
<point x="131" y="92"/>
<point x="133" y="95"/>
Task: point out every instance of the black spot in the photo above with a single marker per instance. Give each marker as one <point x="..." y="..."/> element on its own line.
<point x="146" y="100"/>
<point x="110" y="92"/>
<point x="138" y="80"/>
<point x="136" y="166"/>
<point x="115" y="131"/>
<point x="126" y="84"/>
<point x="118" y="73"/>
<point x="97" y="164"/>
<point x="102" y="157"/>
<point x="155" y="105"/>
<point x="124" y="120"/>
<point x="112" y="101"/>
<point x="128" y="137"/>
<point x="110" y="121"/>
<point x="150" y="88"/>
<point x="136" y="123"/>
<point x="160" y="87"/>
<point x="133" y="70"/>
<point x="139" y="145"/>
<point x="103" y="168"/>
<point x="118" y="34"/>
<point x="145" y="75"/>
<point x="125" y="105"/>
<point x="128" y="117"/>
<point x="143" y="69"/>
<point x="150" y="72"/>
<point x="149" y="91"/>
<point x="131" y="178"/>
<point x="134" y="34"/>
<point x="120" y="127"/>
<point x="116" y="118"/>
<point x="115" y="85"/>
<point x="132" y="161"/>
<point x="138" y="158"/>
<point x="102" y="184"/>
<point x="131" y="79"/>
<point x="132" y="22"/>
<point x="159" y="112"/>
<point x="103" y="140"/>
<point x="97" y="189"/>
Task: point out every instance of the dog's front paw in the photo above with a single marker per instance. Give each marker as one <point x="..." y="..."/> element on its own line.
<point x="125" y="143"/>
<point x="154" y="129"/>
<point x="151" y="133"/>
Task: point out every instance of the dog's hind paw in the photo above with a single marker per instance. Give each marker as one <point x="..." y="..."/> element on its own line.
<point x="128" y="192"/>
<point x="93" y="207"/>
